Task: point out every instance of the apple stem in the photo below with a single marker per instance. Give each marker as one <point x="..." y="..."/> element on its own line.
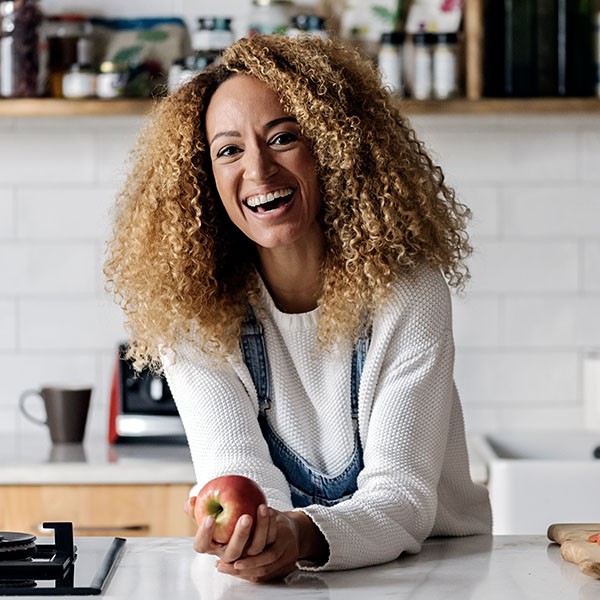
<point x="215" y="508"/>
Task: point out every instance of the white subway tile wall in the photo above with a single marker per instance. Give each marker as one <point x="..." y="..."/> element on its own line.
<point x="532" y="308"/>
<point x="522" y="326"/>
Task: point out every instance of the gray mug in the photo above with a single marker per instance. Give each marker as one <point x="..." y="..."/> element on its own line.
<point x="66" y="412"/>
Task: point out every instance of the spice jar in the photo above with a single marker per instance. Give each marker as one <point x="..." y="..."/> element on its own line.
<point x="270" y="16"/>
<point x="20" y="48"/>
<point x="389" y="60"/>
<point x="112" y="79"/>
<point x="445" y="65"/>
<point x="79" y="82"/>
<point x="64" y="34"/>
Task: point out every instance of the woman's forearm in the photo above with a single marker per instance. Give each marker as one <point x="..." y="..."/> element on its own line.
<point x="312" y="545"/>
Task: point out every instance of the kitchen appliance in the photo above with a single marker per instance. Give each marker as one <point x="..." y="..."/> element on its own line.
<point x="141" y="406"/>
<point x="59" y="569"/>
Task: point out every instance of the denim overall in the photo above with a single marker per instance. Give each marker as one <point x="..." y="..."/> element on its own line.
<point x="308" y="485"/>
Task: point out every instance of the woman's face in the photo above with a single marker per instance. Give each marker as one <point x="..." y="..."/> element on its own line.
<point x="264" y="170"/>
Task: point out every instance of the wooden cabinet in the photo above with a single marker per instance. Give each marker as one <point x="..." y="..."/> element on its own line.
<point x="104" y="510"/>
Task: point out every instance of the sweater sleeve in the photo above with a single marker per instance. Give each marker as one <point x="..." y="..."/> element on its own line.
<point x="394" y="507"/>
<point x="219" y="414"/>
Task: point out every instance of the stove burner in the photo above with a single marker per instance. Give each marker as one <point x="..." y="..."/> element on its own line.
<point x="56" y="558"/>
<point x="27" y="568"/>
<point x="16" y="545"/>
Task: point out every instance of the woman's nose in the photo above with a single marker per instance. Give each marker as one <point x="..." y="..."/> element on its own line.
<point x="258" y="164"/>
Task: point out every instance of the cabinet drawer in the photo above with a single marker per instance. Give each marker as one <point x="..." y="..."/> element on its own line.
<point x="104" y="510"/>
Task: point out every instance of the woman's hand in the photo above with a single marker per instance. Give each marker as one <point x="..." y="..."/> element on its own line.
<point x="240" y="543"/>
<point x="279" y="541"/>
<point x="276" y="559"/>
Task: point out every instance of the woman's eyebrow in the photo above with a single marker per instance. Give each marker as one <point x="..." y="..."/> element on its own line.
<point x="268" y="126"/>
<point x="224" y="134"/>
<point x="276" y="122"/>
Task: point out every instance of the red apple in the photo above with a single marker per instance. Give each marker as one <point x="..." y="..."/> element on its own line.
<point x="226" y="499"/>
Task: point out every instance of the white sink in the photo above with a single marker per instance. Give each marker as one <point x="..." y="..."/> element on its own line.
<point x="539" y="478"/>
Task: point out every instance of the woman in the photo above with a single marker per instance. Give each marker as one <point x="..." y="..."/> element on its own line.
<point x="280" y="251"/>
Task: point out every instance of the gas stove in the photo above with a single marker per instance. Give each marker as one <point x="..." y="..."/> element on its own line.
<point x="58" y="569"/>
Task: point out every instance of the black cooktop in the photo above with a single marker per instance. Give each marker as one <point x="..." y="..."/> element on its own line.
<point x="61" y="568"/>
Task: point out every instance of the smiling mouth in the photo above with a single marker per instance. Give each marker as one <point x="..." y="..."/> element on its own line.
<point x="271" y="201"/>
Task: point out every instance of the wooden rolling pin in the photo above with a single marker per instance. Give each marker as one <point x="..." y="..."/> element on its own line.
<point x="574" y="546"/>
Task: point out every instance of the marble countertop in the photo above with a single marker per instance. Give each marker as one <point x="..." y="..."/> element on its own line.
<point x="33" y="460"/>
<point x="477" y="567"/>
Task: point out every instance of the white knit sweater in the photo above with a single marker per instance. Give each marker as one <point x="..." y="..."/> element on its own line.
<point x="415" y="482"/>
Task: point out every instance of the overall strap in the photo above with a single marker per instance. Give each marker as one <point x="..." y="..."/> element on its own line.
<point x="254" y="353"/>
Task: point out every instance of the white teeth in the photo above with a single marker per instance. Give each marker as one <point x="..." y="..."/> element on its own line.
<point x="264" y="198"/>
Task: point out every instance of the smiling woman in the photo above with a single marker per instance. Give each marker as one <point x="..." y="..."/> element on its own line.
<point x="264" y="169"/>
<point x="280" y="250"/>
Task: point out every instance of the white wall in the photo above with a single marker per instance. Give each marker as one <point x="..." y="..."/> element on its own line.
<point x="530" y="311"/>
<point x="533" y="305"/>
<point x="529" y="315"/>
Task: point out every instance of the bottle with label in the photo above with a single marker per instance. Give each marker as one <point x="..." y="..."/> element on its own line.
<point x="445" y="65"/>
<point x="389" y="60"/>
<point x="270" y="16"/>
<point x="213" y="34"/>
<point x="422" y="74"/>
<point x="208" y="42"/>
<point x="20" y="67"/>
<point x="308" y="24"/>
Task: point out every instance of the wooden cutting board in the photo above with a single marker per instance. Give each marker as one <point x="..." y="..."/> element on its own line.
<point x="574" y="546"/>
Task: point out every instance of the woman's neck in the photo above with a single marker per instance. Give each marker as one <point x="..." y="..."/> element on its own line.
<point x="294" y="274"/>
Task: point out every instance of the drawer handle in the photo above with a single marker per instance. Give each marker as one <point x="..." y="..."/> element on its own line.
<point x="98" y="529"/>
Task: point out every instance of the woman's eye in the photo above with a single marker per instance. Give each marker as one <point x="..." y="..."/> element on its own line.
<point x="227" y="151"/>
<point x="281" y="139"/>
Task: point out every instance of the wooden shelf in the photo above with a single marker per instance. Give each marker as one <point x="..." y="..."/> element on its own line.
<point x="490" y="106"/>
<point x="57" y="107"/>
<point x="51" y="107"/>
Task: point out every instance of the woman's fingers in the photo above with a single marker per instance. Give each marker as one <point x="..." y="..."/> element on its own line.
<point x="239" y="538"/>
<point x="261" y="531"/>
<point x="203" y="540"/>
<point x="189" y="506"/>
<point x="272" y="535"/>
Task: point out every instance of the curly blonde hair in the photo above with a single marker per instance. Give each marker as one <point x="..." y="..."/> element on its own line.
<point x="179" y="267"/>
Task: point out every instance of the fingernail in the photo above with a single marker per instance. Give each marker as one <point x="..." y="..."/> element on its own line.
<point x="246" y="521"/>
<point x="262" y="509"/>
<point x="208" y="522"/>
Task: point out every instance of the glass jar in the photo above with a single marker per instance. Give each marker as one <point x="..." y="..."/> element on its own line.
<point x="389" y="60"/>
<point x="20" y="48"/>
<point x="64" y="33"/>
<point x="270" y="16"/>
<point x="79" y="82"/>
<point x="445" y="65"/>
<point x="111" y="80"/>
